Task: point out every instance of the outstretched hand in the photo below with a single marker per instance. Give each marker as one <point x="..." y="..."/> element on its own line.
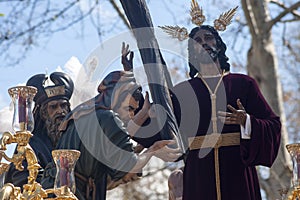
<point x="236" y="116"/>
<point x="127" y="63"/>
<point x="161" y="150"/>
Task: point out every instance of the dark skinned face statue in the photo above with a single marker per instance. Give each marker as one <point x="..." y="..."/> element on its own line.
<point x="205" y="47"/>
<point x="53" y="113"/>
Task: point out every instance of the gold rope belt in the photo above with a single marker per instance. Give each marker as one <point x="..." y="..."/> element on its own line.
<point x="214" y="140"/>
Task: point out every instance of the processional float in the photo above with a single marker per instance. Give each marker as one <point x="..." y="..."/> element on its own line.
<point x="64" y="188"/>
<point x="65" y="160"/>
<point x="140" y="20"/>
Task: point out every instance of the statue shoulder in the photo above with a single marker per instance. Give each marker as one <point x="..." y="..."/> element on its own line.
<point x="109" y="117"/>
<point x="106" y="114"/>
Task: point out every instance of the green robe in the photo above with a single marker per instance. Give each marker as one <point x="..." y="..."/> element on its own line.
<point x="105" y="149"/>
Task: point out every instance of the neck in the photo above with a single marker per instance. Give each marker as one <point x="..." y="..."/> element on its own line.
<point x="211" y="69"/>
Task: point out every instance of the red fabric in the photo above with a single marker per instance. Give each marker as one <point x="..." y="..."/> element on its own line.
<point x="238" y="175"/>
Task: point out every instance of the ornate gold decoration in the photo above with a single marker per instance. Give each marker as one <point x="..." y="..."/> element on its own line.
<point x="294" y="191"/>
<point x="176" y="32"/>
<point x="24" y="91"/>
<point x="22" y="97"/>
<point x="225" y="19"/>
<point x="65" y="160"/>
<point x="198" y="18"/>
<point x="55" y="91"/>
<point x="32" y="190"/>
<point x="64" y="193"/>
<point x="196" y="13"/>
<point x="3" y="167"/>
<point x="24" y="151"/>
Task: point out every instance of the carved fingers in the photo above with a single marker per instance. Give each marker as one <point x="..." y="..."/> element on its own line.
<point x="127" y="62"/>
<point x="235" y="116"/>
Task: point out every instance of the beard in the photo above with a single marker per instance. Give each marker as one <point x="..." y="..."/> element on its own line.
<point x="53" y="132"/>
<point x="207" y="55"/>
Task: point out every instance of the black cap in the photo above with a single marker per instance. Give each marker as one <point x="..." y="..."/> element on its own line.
<point x="62" y="89"/>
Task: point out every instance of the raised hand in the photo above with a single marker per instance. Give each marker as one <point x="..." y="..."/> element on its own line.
<point x="143" y="114"/>
<point x="236" y="116"/>
<point x="147" y="104"/>
<point x="140" y="117"/>
<point x="127" y="63"/>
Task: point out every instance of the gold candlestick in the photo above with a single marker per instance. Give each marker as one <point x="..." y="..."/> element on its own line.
<point x="294" y="191"/>
<point x="65" y="161"/>
<point x="23" y="124"/>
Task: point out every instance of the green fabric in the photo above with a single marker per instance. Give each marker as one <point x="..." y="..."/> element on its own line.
<point x="105" y="150"/>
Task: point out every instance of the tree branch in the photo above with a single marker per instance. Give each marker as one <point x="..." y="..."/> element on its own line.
<point x="54" y="17"/>
<point x="1" y="1"/>
<point x="292" y="50"/>
<point x="286" y="11"/>
<point x="76" y="20"/>
<point x="37" y="26"/>
<point x="294" y="12"/>
<point x="120" y="13"/>
<point x="247" y="10"/>
<point x="290" y="20"/>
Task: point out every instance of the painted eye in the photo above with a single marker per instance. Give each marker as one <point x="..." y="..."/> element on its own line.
<point x="52" y="107"/>
<point x="64" y="105"/>
<point x="209" y="37"/>
<point x="198" y="40"/>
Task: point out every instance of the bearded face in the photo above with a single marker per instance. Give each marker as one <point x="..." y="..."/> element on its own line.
<point x="205" y="46"/>
<point x="52" y="131"/>
<point x="53" y="114"/>
<point x="207" y="55"/>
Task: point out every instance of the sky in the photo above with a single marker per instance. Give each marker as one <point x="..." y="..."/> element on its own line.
<point x="62" y="46"/>
<point x="48" y="56"/>
<point x="67" y="50"/>
<point x="70" y="50"/>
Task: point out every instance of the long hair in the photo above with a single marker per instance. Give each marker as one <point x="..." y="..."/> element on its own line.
<point x="223" y="59"/>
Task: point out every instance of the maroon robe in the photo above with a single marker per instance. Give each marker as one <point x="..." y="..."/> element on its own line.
<point x="238" y="176"/>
